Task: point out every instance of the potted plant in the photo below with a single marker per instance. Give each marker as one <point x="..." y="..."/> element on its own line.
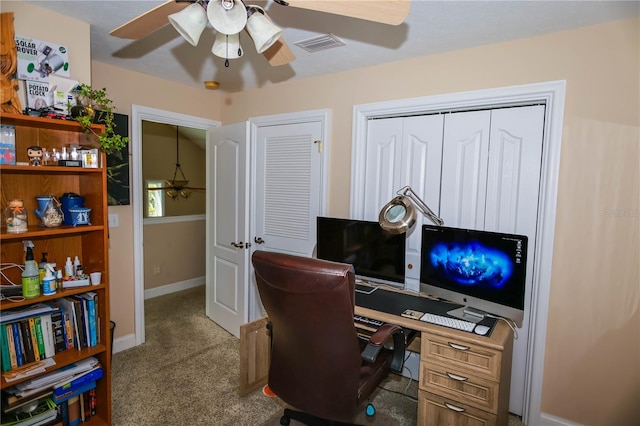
<point x="92" y="103"/>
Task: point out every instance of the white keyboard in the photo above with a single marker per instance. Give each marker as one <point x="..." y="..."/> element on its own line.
<point x="448" y="322"/>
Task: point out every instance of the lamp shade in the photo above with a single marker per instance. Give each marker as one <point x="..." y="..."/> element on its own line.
<point x="227" y="16"/>
<point x="227" y="46"/>
<point x="190" y="22"/>
<point x="261" y="29"/>
<point x="398" y="215"/>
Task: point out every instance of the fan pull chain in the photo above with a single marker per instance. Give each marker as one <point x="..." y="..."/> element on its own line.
<point x="226" y="59"/>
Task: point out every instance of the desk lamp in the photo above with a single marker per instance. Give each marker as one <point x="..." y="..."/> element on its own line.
<point x="399" y="214"/>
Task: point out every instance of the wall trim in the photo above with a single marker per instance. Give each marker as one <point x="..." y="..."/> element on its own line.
<point x="552" y="93"/>
<point x="174" y="287"/>
<point x="139" y="114"/>
<point x="173" y="219"/>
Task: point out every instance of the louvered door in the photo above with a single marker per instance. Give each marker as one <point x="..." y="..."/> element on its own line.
<point x="287" y="187"/>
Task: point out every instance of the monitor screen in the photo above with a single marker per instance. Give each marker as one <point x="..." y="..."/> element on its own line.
<point x="483" y="270"/>
<point x="374" y="253"/>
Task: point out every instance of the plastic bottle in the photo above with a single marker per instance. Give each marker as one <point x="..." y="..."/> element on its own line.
<point x="42" y="265"/>
<point x="76" y="265"/>
<point x="68" y="268"/>
<point x="30" y="275"/>
<point x="49" y="281"/>
<point x="59" y="285"/>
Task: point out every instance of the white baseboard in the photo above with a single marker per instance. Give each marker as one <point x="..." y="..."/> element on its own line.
<point x="549" y="420"/>
<point x="174" y="287"/>
<point x="123" y="343"/>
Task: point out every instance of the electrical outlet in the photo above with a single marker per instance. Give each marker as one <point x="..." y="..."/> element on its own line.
<point x="156" y="270"/>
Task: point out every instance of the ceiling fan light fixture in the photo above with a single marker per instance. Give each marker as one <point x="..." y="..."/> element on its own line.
<point x="262" y="29"/>
<point x="190" y="22"/>
<point x="227" y="46"/>
<point x="227" y="16"/>
<point x="172" y="193"/>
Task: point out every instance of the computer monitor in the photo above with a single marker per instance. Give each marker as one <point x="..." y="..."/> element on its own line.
<point x="483" y="271"/>
<point x="376" y="255"/>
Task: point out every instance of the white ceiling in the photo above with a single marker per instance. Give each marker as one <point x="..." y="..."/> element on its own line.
<point x="432" y="27"/>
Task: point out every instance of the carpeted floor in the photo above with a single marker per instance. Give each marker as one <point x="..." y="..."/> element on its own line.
<point x="187" y="374"/>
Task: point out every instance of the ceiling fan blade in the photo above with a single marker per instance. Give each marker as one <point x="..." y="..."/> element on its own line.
<point x="279" y="53"/>
<point x="392" y="12"/>
<point x="149" y="21"/>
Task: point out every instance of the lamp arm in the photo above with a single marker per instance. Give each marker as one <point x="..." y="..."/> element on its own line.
<point x="408" y="192"/>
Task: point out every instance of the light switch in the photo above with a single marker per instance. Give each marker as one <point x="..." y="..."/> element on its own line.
<point x="113" y="220"/>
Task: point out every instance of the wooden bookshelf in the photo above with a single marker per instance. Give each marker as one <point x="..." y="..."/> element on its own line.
<point x="88" y="242"/>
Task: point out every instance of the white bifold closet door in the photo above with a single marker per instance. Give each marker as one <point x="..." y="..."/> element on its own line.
<point x="475" y="169"/>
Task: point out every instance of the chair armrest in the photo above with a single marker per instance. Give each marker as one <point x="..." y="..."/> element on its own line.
<point x="377" y="341"/>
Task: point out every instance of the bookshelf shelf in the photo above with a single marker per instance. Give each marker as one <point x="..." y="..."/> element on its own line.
<point x="88" y="242"/>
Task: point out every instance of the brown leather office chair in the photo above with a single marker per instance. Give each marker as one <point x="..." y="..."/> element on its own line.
<point x="319" y="365"/>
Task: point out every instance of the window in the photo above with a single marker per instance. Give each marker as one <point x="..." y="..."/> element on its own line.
<point x="155" y="199"/>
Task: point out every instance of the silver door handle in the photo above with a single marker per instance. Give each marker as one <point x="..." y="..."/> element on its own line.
<point x="258" y="240"/>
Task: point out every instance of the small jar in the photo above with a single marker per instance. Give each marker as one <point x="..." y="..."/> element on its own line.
<point x="16" y="217"/>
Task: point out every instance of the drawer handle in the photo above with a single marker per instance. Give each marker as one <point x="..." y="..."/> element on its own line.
<point x="459" y="347"/>
<point x="456" y="377"/>
<point x="454" y="408"/>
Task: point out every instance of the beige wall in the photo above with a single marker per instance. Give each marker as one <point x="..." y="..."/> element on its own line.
<point x="592" y="373"/>
<point x="594" y="325"/>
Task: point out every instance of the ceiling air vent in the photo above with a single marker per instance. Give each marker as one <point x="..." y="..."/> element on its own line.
<point x="321" y="42"/>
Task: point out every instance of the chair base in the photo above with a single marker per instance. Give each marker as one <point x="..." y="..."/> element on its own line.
<point x="308" y="419"/>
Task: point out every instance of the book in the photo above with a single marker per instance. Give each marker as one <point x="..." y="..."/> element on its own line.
<point x="8" y="329"/>
<point x="39" y="337"/>
<point x="44" y="413"/>
<point x="27" y="345"/>
<point x="17" y="342"/>
<point x="6" y="358"/>
<point x="58" y="331"/>
<point x="47" y="335"/>
<point x="11" y="315"/>
<point x="91" y="325"/>
<point x="34" y="339"/>
<point x="74" y="392"/>
<point x="78" y="311"/>
<point x="74" y="410"/>
<point x="68" y="309"/>
<point x="78" y="381"/>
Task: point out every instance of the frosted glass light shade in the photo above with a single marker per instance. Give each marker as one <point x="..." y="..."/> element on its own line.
<point x="227" y="46"/>
<point x="227" y="16"/>
<point x="190" y="22"/>
<point x="262" y="30"/>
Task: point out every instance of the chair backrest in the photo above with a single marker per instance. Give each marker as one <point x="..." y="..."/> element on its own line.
<point x="315" y="355"/>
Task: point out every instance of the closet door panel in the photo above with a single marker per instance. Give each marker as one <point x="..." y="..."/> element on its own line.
<point x="421" y="168"/>
<point x="464" y="168"/>
<point x="514" y="169"/>
<point x="382" y="174"/>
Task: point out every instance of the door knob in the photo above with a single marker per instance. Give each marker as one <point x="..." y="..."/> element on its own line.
<point x="258" y="240"/>
<point x="238" y="245"/>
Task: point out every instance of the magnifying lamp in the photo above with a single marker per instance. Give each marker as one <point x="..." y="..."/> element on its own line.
<point x="399" y="214"/>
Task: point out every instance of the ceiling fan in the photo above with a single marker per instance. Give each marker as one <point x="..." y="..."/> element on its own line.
<point x="230" y="17"/>
<point x="177" y="187"/>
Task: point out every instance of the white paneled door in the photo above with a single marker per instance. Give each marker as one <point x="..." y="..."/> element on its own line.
<point x="228" y="226"/>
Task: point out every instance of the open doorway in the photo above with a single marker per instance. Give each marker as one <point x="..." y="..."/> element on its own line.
<point x="158" y="130"/>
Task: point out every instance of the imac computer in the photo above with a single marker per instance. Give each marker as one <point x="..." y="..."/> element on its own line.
<point x="483" y="271"/>
<point x="377" y="256"/>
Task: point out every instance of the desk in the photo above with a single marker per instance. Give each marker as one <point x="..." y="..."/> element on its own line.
<point x="464" y="378"/>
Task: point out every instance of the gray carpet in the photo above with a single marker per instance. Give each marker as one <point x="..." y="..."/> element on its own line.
<point x="187" y="374"/>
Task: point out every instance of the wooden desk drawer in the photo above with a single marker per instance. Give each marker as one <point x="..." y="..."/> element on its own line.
<point x="460" y="387"/>
<point x="435" y="410"/>
<point x="470" y="358"/>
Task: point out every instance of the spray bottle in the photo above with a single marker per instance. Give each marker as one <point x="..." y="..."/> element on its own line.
<point x="30" y="275"/>
<point x="49" y="280"/>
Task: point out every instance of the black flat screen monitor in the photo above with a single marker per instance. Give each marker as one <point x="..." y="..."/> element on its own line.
<point x="376" y="255"/>
<point x="485" y="271"/>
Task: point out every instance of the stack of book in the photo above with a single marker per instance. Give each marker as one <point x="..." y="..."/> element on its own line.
<point x="31" y="334"/>
<point x="70" y="392"/>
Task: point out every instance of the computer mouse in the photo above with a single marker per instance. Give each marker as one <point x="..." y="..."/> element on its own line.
<point x="481" y="329"/>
